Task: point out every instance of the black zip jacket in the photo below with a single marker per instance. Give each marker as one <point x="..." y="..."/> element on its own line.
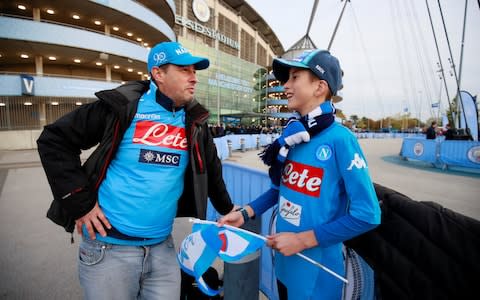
<point x="103" y="123"/>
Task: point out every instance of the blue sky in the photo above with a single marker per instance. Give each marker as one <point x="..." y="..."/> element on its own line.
<point x="386" y="49"/>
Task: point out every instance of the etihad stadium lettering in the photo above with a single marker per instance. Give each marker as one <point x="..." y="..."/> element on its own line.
<point x="206" y="31"/>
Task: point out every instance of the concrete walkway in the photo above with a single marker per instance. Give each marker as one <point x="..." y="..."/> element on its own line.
<point x="37" y="260"/>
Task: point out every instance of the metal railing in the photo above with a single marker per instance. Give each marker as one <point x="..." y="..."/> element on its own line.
<point x="23" y="112"/>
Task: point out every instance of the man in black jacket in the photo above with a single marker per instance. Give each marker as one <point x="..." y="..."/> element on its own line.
<point x="432" y="131"/>
<point x="155" y="159"/>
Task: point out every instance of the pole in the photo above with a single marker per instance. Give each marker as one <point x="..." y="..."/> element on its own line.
<point x="439" y="57"/>
<point x="336" y="26"/>
<point x="218" y="91"/>
<point x="314" y="9"/>
<point x="454" y="69"/>
<point x="463" y="43"/>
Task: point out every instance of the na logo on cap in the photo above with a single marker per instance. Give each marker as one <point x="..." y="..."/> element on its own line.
<point x="181" y="51"/>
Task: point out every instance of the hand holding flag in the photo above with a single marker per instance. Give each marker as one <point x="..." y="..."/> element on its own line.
<point x="208" y="241"/>
<point x="234" y="245"/>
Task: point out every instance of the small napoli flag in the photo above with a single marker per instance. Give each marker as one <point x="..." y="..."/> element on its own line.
<point x="239" y="246"/>
<point x="197" y="253"/>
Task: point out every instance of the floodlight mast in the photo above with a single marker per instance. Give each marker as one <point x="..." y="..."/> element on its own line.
<point x="336" y="26"/>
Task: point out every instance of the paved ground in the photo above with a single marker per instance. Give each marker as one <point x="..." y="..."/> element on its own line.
<point x="37" y="260"/>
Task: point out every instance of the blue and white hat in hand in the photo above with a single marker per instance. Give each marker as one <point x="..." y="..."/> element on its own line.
<point x="174" y="53"/>
<point x="324" y="65"/>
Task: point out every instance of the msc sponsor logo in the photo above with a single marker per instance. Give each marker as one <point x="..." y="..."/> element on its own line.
<point x="324" y="152"/>
<point x="302" y="178"/>
<point x="159" y="134"/>
<point x="159" y="158"/>
<point x="357" y="162"/>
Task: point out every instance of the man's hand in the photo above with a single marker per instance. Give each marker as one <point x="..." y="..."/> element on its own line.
<point x="94" y="218"/>
<point x="233" y="218"/>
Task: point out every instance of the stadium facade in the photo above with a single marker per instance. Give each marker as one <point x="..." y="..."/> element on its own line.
<point x="56" y="54"/>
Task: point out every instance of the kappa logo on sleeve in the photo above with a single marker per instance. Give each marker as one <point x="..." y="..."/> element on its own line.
<point x="302" y="178"/>
<point x="159" y="158"/>
<point x="357" y="162"/>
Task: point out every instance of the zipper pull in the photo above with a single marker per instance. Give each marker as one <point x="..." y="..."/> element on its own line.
<point x="173" y="111"/>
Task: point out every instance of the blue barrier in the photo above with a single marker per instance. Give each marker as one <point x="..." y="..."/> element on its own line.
<point x="387" y="135"/>
<point x="460" y="153"/>
<point x="443" y="154"/>
<point x="420" y="149"/>
<point x="250" y="142"/>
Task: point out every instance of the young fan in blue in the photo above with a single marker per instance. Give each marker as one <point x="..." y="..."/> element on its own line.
<point x="320" y="182"/>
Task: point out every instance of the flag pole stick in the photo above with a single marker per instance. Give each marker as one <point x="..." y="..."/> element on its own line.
<point x="265" y="239"/>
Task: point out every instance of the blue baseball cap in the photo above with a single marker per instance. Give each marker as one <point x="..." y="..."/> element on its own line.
<point x="324" y="65"/>
<point x="174" y="53"/>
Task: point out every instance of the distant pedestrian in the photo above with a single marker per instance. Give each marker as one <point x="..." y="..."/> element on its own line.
<point x="431" y="131"/>
<point x="449" y="132"/>
<point x="320" y="181"/>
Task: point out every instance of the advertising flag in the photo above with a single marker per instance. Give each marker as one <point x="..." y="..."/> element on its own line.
<point x="469" y="117"/>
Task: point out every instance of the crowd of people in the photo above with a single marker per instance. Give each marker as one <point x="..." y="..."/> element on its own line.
<point x="433" y="131"/>
<point x="222" y="129"/>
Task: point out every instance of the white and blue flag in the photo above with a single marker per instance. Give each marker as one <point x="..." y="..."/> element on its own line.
<point x="208" y="241"/>
<point x="197" y="253"/>
<point x="239" y="246"/>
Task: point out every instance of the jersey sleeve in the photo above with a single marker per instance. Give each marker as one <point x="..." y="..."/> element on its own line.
<point x="363" y="209"/>
<point x="353" y="167"/>
<point x="265" y="201"/>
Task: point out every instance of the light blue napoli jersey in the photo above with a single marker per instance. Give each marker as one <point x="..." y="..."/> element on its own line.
<point x="145" y="179"/>
<point x="321" y="181"/>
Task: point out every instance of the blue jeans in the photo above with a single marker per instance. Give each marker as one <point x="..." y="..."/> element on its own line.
<point x="117" y="272"/>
